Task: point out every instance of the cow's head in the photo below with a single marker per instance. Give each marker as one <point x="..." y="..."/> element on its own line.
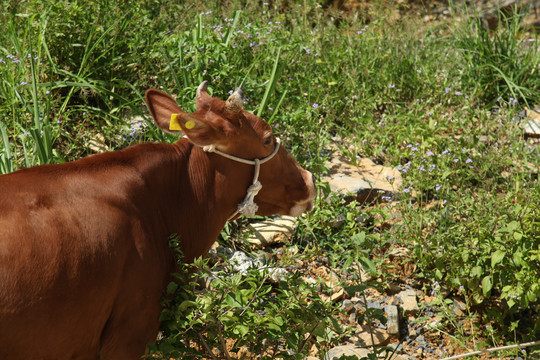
<point x="287" y="189"/>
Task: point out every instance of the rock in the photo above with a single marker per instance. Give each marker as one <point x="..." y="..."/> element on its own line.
<point x="459" y="307"/>
<point x="374" y="305"/>
<point x="531" y="125"/>
<point x="374" y="337"/>
<point x="396" y="348"/>
<point x="394" y="301"/>
<point x="272" y="231"/>
<point x="347" y="306"/>
<point x="367" y="182"/>
<point x="358" y="272"/>
<point x="491" y="16"/>
<point x="346" y="350"/>
<point x="338" y="221"/>
<point x="359" y="308"/>
<point x="409" y="305"/>
<point x="337" y="295"/>
<point x="241" y="263"/>
<point x="309" y="280"/>
<point x="97" y="144"/>
<point x="218" y="250"/>
<point x="399" y="252"/>
<point x="277" y="274"/>
<point x="393" y="288"/>
<point x="332" y="280"/>
<point x="393" y="319"/>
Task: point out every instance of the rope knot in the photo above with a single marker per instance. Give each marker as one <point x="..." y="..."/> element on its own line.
<point x="209" y="148"/>
<point x="254" y="188"/>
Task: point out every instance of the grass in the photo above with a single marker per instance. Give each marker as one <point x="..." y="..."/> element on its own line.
<point x="438" y="101"/>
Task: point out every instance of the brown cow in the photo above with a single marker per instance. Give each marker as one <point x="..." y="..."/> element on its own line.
<point x="84" y="253"/>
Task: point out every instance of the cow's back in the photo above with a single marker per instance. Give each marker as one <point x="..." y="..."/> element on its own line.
<point x="74" y="251"/>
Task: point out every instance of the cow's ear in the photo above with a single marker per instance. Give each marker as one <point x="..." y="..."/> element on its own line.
<point x="162" y="106"/>
<point x="199" y="131"/>
<point x="171" y="118"/>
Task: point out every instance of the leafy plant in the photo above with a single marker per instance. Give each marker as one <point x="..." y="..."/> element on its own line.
<point x="245" y="316"/>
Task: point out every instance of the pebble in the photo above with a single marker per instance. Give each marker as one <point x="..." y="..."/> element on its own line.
<point x="347" y="306"/>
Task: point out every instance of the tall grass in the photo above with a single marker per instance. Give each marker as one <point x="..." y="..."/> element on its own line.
<point x="499" y="65"/>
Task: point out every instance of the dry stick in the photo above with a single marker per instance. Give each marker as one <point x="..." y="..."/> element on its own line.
<point x="210" y="352"/>
<point x="223" y="343"/>
<point x="507" y="347"/>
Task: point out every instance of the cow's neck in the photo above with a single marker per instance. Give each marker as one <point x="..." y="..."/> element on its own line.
<point x="196" y="193"/>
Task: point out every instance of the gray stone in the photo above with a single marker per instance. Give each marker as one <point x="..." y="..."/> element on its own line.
<point x="365" y="336"/>
<point x="393" y="288"/>
<point x="366" y="182"/>
<point x="374" y="305"/>
<point x="399" y="252"/>
<point x="338" y="294"/>
<point x="459" y="307"/>
<point x="409" y="305"/>
<point x="241" y="263"/>
<point x="396" y="347"/>
<point x="531" y="128"/>
<point x="338" y="221"/>
<point x="393" y="319"/>
<point x="277" y="274"/>
<point x="97" y="144"/>
<point x="346" y="350"/>
<point x="272" y="231"/>
<point x="347" y="306"/>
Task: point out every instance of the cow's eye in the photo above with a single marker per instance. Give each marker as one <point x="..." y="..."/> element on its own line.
<point x="268" y="141"/>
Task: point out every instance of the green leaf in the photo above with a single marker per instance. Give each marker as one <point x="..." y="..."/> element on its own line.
<point x="487" y="285"/>
<point x="497" y="257"/>
<point x="352" y="290"/>
<point x="241" y="330"/>
<point x="476" y="271"/>
<point x="232" y="302"/>
<point x="186" y="304"/>
<point x="171" y="288"/>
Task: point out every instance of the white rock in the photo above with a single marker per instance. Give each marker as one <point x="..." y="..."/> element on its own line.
<point x="272" y="231"/>
<point x="408" y="302"/>
<point x="369" y="337"/>
<point x="366" y="181"/>
<point x="346" y="350"/>
<point x="393" y="319"/>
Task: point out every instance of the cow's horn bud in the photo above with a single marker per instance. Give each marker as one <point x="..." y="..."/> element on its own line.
<point x="235" y="102"/>
<point x="202" y="89"/>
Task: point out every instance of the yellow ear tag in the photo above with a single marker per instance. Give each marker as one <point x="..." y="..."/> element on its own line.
<point x="190" y="124"/>
<point x="174" y="124"/>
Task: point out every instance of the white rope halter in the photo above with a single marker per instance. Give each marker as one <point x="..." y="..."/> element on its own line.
<point x="247" y="206"/>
